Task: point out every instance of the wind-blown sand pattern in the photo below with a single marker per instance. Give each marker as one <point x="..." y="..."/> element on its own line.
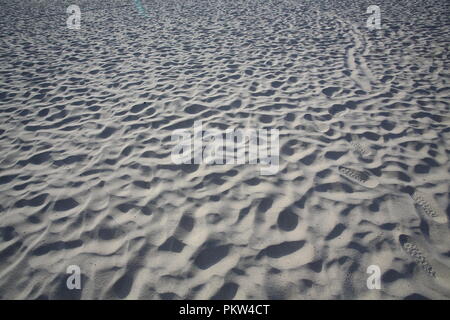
<point x="86" y="176"/>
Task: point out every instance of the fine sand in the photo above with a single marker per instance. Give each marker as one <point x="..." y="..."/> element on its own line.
<point x="86" y="176"/>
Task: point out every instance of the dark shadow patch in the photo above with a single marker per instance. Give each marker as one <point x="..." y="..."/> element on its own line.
<point x="65" y="204"/>
<point x="265" y="205"/>
<point x="287" y="220"/>
<point x="106" y="133"/>
<point x="420" y="168"/>
<point x="139" y="107"/>
<point x="172" y="244"/>
<point x="168" y="296"/>
<point x="106" y="233"/>
<point x="315" y="266"/>
<point x="210" y="256"/>
<point x="334" y="155"/>
<point x="416" y="296"/>
<point x="388" y="226"/>
<point x="7" y="179"/>
<point x="122" y="287"/>
<point x="7" y="233"/>
<point x="227" y="292"/>
<point x="55" y="246"/>
<point x="387" y="125"/>
<point x="330" y="91"/>
<point x="187" y="223"/>
<point x="309" y="159"/>
<point x="357" y="247"/>
<point x="34" y="202"/>
<point x="336" y="232"/>
<point x="391" y="275"/>
<point x="281" y="250"/>
<point x="195" y="108"/>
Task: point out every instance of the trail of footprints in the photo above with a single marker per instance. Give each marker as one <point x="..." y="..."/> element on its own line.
<point x="423" y="202"/>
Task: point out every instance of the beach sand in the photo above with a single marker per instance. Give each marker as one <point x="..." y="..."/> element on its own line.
<point x="87" y="179"/>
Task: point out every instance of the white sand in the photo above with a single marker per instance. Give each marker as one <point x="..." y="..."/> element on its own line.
<point x="86" y="176"/>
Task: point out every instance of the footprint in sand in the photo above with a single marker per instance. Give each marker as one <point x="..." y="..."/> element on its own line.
<point x="338" y="110"/>
<point x="321" y="126"/>
<point x="428" y="205"/>
<point x="317" y="125"/>
<point x="361" y="149"/>
<point x="360" y="177"/>
<point x="417" y="253"/>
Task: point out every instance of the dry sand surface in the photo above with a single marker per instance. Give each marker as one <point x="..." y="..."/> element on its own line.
<point x="86" y="176"/>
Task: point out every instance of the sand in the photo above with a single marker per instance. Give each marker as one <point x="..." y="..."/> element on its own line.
<point x="86" y="176"/>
